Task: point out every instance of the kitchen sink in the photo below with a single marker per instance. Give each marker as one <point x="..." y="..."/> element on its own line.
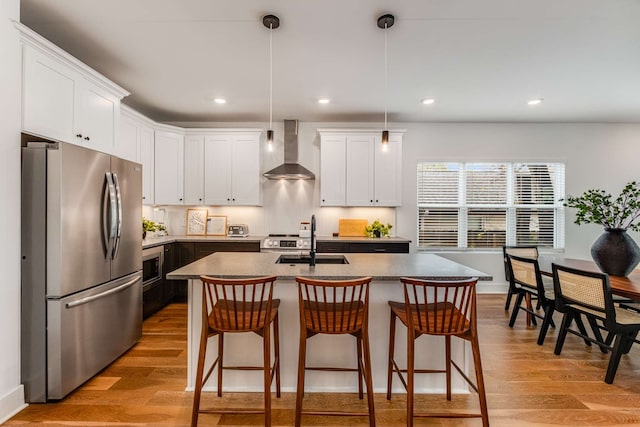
<point x="304" y="259"/>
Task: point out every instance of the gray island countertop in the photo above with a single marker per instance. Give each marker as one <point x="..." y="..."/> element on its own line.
<point x="379" y="266"/>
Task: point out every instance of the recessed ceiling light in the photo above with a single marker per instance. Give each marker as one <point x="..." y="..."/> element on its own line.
<point x="534" y="101"/>
<point x="220" y="100"/>
<point x="427" y="101"/>
<point x="324" y="100"/>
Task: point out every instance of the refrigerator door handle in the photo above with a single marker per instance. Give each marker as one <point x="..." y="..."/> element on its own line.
<point x="110" y="213"/>
<point x="103" y="294"/>
<point x="118" y="233"/>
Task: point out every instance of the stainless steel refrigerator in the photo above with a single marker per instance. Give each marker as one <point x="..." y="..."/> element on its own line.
<point x="81" y="265"/>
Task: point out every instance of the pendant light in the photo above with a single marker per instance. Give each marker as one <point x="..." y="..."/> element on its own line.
<point x="271" y="22"/>
<point x="385" y="22"/>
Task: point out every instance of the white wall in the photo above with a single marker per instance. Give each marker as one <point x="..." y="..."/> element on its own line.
<point x="11" y="391"/>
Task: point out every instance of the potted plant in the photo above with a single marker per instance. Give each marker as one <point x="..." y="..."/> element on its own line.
<point x="614" y="252"/>
<point x="378" y="229"/>
<point x="150" y="226"/>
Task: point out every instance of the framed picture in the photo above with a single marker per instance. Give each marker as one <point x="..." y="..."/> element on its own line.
<point x="217" y="225"/>
<point x="196" y="222"/>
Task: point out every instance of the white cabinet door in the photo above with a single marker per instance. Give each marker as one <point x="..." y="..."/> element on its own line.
<point x="169" y="168"/>
<point x="245" y="170"/>
<point x="194" y="170"/>
<point x="232" y="169"/>
<point x="388" y="172"/>
<point x="332" y="170"/>
<point x="217" y="170"/>
<point x="97" y="115"/>
<point x="128" y="144"/>
<point x="48" y="96"/>
<point x="360" y="149"/>
<point x="147" y="157"/>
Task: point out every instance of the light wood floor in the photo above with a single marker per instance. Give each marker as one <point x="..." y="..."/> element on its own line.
<point x="527" y="385"/>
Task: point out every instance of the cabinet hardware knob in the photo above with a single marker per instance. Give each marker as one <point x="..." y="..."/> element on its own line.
<point x="78" y="135"/>
<point x="143" y="198"/>
<point x="200" y="199"/>
<point x="376" y="200"/>
<point x="371" y="201"/>
<point x="233" y="200"/>
<point x="180" y="199"/>
<point x="86" y="138"/>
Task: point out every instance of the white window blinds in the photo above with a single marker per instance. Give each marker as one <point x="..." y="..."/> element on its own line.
<point x="488" y="205"/>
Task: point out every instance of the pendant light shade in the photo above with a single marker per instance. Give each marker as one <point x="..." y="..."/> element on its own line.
<point x="271" y="22"/>
<point x="385" y="22"/>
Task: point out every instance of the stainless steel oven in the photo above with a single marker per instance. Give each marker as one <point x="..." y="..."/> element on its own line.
<point x="152" y="261"/>
<point x="287" y="244"/>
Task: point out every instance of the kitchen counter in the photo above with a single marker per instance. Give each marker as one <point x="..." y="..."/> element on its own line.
<point x="378" y="266"/>
<point x="150" y="242"/>
<point x="385" y="269"/>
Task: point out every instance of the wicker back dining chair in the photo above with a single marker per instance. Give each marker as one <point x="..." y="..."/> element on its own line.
<point x="525" y="281"/>
<point x="446" y="309"/>
<point x="586" y="293"/>
<point x="521" y="251"/>
<point x="235" y="306"/>
<point x="335" y="307"/>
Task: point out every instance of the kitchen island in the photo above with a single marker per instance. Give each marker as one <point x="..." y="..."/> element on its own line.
<point x="385" y="269"/>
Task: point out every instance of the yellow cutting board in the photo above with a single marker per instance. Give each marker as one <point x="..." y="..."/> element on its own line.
<point x="352" y="227"/>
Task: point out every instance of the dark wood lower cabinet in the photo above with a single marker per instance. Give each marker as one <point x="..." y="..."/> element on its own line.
<point x="363" y="247"/>
<point x="187" y="252"/>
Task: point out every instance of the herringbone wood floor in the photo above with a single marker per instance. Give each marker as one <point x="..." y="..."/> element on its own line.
<point x="527" y="385"/>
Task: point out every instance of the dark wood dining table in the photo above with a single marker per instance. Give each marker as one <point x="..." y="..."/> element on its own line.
<point x="627" y="287"/>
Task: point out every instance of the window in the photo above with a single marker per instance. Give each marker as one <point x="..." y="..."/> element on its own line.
<point x="488" y="205"/>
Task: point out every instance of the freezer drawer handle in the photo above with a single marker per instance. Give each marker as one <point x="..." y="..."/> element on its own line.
<point x="103" y="294"/>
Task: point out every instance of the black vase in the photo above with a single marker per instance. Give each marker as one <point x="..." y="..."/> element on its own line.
<point x="615" y="252"/>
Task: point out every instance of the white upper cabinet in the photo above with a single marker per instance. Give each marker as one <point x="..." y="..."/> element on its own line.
<point x="232" y="169"/>
<point x="355" y="170"/>
<point x="65" y="100"/>
<point x="194" y="170"/>
<point x="360" y="170"/>
<point x="333" y="170"/>
<point x="136" y="144"/>
<point x="169" y="168"/>
<point x="147" y="158"/>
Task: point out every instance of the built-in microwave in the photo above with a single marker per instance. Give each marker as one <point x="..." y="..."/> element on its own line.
<point x="152" y="260"/>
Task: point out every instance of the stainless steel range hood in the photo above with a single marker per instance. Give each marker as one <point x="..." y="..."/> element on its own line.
<point x="290" y="169"/>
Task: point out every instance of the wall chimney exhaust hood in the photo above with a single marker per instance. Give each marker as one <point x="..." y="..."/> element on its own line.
<point x="290" y="169"/>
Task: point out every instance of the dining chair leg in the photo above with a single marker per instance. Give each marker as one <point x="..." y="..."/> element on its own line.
<point x="562" y="334"/>
<point x="266" y="352"/>
<point x="616" y="355"/>
<point x="507" y="302"/>
<point x="301" y="366"/>
<point x="582" y="329"/>
<point x="546" y="322"/>
<point x="410" y="377"/>
<point x="475" y="349"/>
<point x="220" y="365"/>
<point x="392" y="339"/>
<point x="359" y="356"/>
<point x="276" y="352"/>
<point x="447" y="352"/>
<point x="597" y="334"/>
<point x="516" y="309"/>
<point x="368" y="372"/>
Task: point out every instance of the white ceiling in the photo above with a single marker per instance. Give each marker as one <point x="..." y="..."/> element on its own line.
<point x="480" y="59"/>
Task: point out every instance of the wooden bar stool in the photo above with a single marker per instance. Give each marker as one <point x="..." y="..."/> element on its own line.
<point x="437" y="308"/>
<point x="335" y="307"/>
<point x="233" y="306"/>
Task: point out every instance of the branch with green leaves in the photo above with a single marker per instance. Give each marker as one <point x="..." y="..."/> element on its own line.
<point x="598" y="207"/>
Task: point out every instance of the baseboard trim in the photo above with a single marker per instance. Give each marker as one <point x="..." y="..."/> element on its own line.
<point x="12" y="403"/>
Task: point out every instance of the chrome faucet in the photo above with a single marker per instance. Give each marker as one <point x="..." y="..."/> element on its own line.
<point x="312" y="252"/>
